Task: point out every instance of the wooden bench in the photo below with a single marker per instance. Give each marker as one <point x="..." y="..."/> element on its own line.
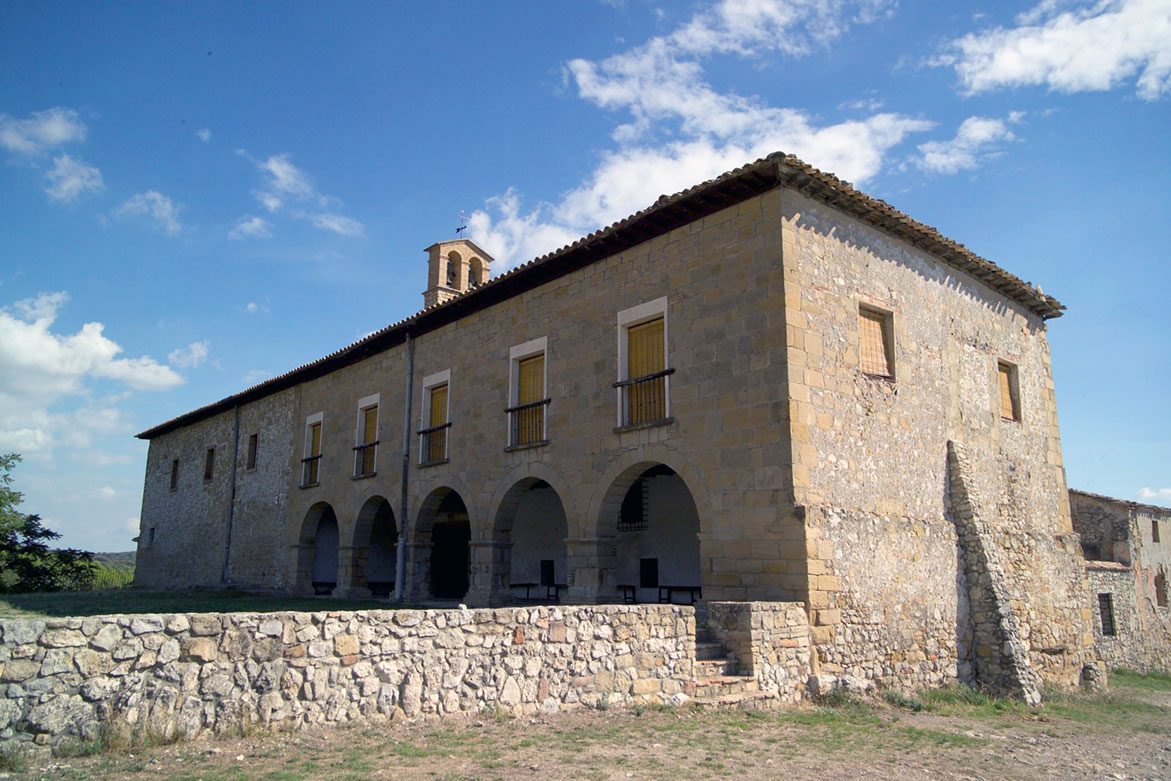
<point x="694" y="593"/>
<point x="323" y="588"/>
<point x="629" y="593"/>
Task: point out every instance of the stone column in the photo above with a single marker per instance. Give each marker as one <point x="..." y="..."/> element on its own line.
<point x="418" y="571"/>
<point x="591" y="562"/>
<point x="301" y="569"/>
<point x="347" y="587"/>
<point x="485" y="573"/>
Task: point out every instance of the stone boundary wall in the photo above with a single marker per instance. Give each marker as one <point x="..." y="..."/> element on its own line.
<point x="178" y="675"/>
<point x="770" y="640"/>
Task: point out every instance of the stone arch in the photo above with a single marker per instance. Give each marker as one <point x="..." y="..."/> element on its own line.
<point x="621" y="474"/>
<point x="317" y="545"/>
<point x="649" y="519"/>
<point x="373" y="547"/>
<point x="529" y="530"/>
<point x="442" y="539"/>
<point x="477" y="273"/>
<point x="453" y="261"/>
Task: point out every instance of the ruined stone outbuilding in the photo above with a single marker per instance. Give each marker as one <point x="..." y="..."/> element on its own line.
<point x="1128" y="559"/>
<point x="769" y="387"/>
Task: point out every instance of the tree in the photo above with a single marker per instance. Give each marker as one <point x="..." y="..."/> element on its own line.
<point x="27" y="563"/>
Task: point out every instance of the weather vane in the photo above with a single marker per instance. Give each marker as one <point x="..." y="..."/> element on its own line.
<point x="463" y="223"/>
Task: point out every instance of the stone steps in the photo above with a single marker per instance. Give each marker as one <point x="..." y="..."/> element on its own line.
<point x="711" y="668"/>
<point x="754" y="700"/>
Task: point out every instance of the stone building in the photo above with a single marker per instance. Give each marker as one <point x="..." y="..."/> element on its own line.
<point x="769" y="386"/>
<point x="1128" y="558"/>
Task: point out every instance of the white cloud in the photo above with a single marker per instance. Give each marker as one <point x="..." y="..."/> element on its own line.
<point x="203" y="134"/>
<point x="69" y="179"/>
<point x="190" y="356"/>
<point x="253" y="307"/>
<point x="155" y="206"/>
<point x="1089" y="47"/>
<point x="250" y="227"/>
<point x="105" y="492"/>
<point x="284" y="180"/>
<point x="255" y="377"/>
<point x="977" y="139"/>
<point x="343" y="226"/>
<point x="40" y="131"/>
<point x="133" y="525"/>
<point x="1154" y="494"/>
<point x="287" y="184"/>
<point x="40" y="368"/>
<point x="661" y="87"/>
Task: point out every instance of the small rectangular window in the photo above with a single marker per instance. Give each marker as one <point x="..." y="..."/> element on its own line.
<point x="1010" y="403"/>
<point x="1106" y="611"/>
<point x="311" y="463"/>
<point x="875" y="342"/>
<point x="174" y="474"/>
<point x="366" y="451"/>
<point x="253" y="446"/>
<point x="209" y="465"/>
<point x="1154" y="531"/>
<point x="150" y="537"/>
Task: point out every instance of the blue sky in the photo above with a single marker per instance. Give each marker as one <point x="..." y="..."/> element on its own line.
<point x="195" y="197"/>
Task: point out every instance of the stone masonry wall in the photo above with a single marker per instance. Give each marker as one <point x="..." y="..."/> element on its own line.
<point x="190" y="523"/>
<point x="1124" y="535"/>
<point x="770" y="640"/>
<point x="179" y="675"/>
<point x="886" y="596"/>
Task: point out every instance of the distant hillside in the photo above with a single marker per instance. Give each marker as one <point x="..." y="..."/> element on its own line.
<point x="120" y="560"/>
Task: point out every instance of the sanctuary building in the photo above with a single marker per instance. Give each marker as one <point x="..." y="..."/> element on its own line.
<point x="767" y="387"/>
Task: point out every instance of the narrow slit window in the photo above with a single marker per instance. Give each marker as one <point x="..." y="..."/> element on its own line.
<point x="1154" y="531"/>
<point x="875" y="343"/>
<point x="253" y="447"/>
<point x="1010" y="404"/>
<point x="1106" y="612"/>
<point x="209" y="465"/>
<point x="174" y="474"/>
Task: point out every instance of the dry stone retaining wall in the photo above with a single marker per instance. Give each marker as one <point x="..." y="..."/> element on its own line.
<point x="179" y="675"/>
<point x="770" y="640"/>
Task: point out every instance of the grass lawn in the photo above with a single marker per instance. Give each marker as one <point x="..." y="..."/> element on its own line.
<point x="132" y="600"/>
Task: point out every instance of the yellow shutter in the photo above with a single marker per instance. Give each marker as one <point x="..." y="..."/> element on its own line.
<point x="369" y="425"/>
<point x="437" y="440"/>
<point x="645" y="355"/>
<point x="1007" y="408"/>
<point x="315" y="439"/>
<point x="644" y="349"/>
<point x="874" y="343"/>
<point x="530" y="381"/>
<point x="438" y="405"/>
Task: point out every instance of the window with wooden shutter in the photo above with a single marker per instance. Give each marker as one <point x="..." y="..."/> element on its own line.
<point x="1010" y="406"/>
<point x="646" y="358"/>
<point x="875" y="342"/>
<point x="312" y="459"/>
<point x="367" y="448"/>
<point x="529" y="425"/>
<point x="437" y="439"/>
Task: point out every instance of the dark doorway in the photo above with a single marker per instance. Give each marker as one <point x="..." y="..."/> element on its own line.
<point x="449" y="549"/>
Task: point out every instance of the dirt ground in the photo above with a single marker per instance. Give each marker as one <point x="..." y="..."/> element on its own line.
<point x="1122" y="735"/>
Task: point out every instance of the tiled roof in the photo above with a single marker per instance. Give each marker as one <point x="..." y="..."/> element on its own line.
<point x="1124" y="502"/>
<point x="665" y="214"/>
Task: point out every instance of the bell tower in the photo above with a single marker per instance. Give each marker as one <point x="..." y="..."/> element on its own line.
<point x="453" y="268"/>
